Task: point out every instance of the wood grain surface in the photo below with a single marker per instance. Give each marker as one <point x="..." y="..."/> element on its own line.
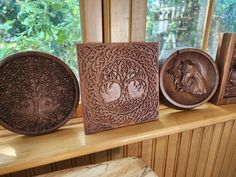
<point x="128" y="167"/>
<point x="207" y="132"/>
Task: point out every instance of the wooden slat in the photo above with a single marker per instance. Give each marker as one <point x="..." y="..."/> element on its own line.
<point x="82" y="160"/>
<point x="172" y="153"/>
<point x="106" y="21"/>
<point x="41" y="170"/>
<point x="213" y="150"/>
<point x="120" y="20"/>
<point x="207" y="24"/>
<point x="205" y="147"/>
<point x="147" y="150"/>
<point x="133" y="150"/>
<point x="194" y="152"/>
<point x="183" y="153"/>
<point x="138" y="22"/>
<point x="101" y="156"/>
<point x="91" y="17"/>
<point x="117" y="153"/>
<point x="229" y="152"/>
<point x="232" y="167"/>
<point x="160" y="156"/>
<point x="222" y="148"/>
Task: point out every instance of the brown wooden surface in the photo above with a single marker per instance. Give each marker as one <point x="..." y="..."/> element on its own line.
<point x="91" y="20"/>
<point x="39" y="93"/>
<point x="211" y="141"/>
<point x="188" y="78"/>
<point x="127" y="167"/>
<point x="224" y="57"/>
<point x="122" y="89"/>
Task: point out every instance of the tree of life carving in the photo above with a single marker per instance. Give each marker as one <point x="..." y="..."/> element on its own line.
<point x="188" y="78"/>
<point x="37" y="94"/>
<point x="123" y="85"/>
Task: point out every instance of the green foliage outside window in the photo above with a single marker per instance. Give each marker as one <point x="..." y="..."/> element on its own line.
<point x="183" y="23"/>
<point x="51" y="26"/>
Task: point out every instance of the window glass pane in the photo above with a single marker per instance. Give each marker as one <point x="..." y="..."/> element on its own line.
<point x="224" y="20"/>
<point x="175" y="24"/>
<point x="51" y="26"/>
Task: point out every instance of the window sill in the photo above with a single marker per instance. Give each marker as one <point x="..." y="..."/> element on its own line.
<point x="18" y="152"/>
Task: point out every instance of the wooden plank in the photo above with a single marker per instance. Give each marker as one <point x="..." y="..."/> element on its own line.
<point x="160" y="156"/>
<point x="101" y="156"/>
<point x="232" y="166"/>
<point x="138" y="22"/>
<point x="204" y="151"/>
<point x="82" y="160"/>
<point x="213" y="150"/>
<point x="41" y="170"/>
<point x="172" y="153"/>
<point x="127" y="167"/>
<point x="106" y="21"/>
<point x="229" y="152"/>
<point x="133" y="150"/>
<point x="70" y="141"/>
<point x="207" y="24"/>
<point x="120" y="20"/>
<point x="147" y="151"/>
<point x="63" y="164"/>
<point x="222" y="148"/>
<point x="183" y="153"/>
<point x="91" y="17"/>
<point x="194" y="152"/>
<point x="117" y="153"/>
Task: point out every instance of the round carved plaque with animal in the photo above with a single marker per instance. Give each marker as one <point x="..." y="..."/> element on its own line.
<point x="38" y="93"/>
<point x="188" y="78"/>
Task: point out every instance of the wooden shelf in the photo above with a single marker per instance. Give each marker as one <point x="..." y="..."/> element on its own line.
<point x="18" y="152"/>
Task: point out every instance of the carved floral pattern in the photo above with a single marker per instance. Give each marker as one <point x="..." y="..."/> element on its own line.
<point x="119" y="84"/>
<point x="37" y="94"/>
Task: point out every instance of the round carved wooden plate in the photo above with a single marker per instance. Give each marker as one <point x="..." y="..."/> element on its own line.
<point x="38" y="93"/>
<point x="188" y="78"/>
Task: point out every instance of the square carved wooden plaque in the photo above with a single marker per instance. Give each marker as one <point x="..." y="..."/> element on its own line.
<point x="119" y="84"/>
<point x="226" y="62"/>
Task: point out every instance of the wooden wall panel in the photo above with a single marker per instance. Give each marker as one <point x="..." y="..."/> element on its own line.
<point x="184" y="151"/>
<point x="213" y="150"/>
<point x="124" y="20"/>
<point x="205" y="147"/>
<point x="160" y="155"/>
<point x="120" y="20"/>
<point x="172" y="154"/>
<point x="229" y="152"/>
<point x="222" y="149"/>
<point x="204" y="152"/>
<point x="117" y="153"/>
<point x="147" y="155"/>
<point x="91" y="18"/>
<point x="138" y="20"/>
<point x="194" y="152"/>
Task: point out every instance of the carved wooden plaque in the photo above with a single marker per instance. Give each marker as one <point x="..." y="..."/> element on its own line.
<point x="38" y="93"/>
<point x="226" y="62"/>
<point x="119" y="84"/>
<point x="189" y="78"/>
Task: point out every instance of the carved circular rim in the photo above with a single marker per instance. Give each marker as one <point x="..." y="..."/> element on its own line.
<point x="165" y="64"/>
<point x="67" y="69"/>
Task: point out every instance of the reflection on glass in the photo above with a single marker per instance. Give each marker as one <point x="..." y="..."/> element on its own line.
<point x="175" y="24"/>
<point x="224" y="20"/>
<point x="51" y="26"/>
